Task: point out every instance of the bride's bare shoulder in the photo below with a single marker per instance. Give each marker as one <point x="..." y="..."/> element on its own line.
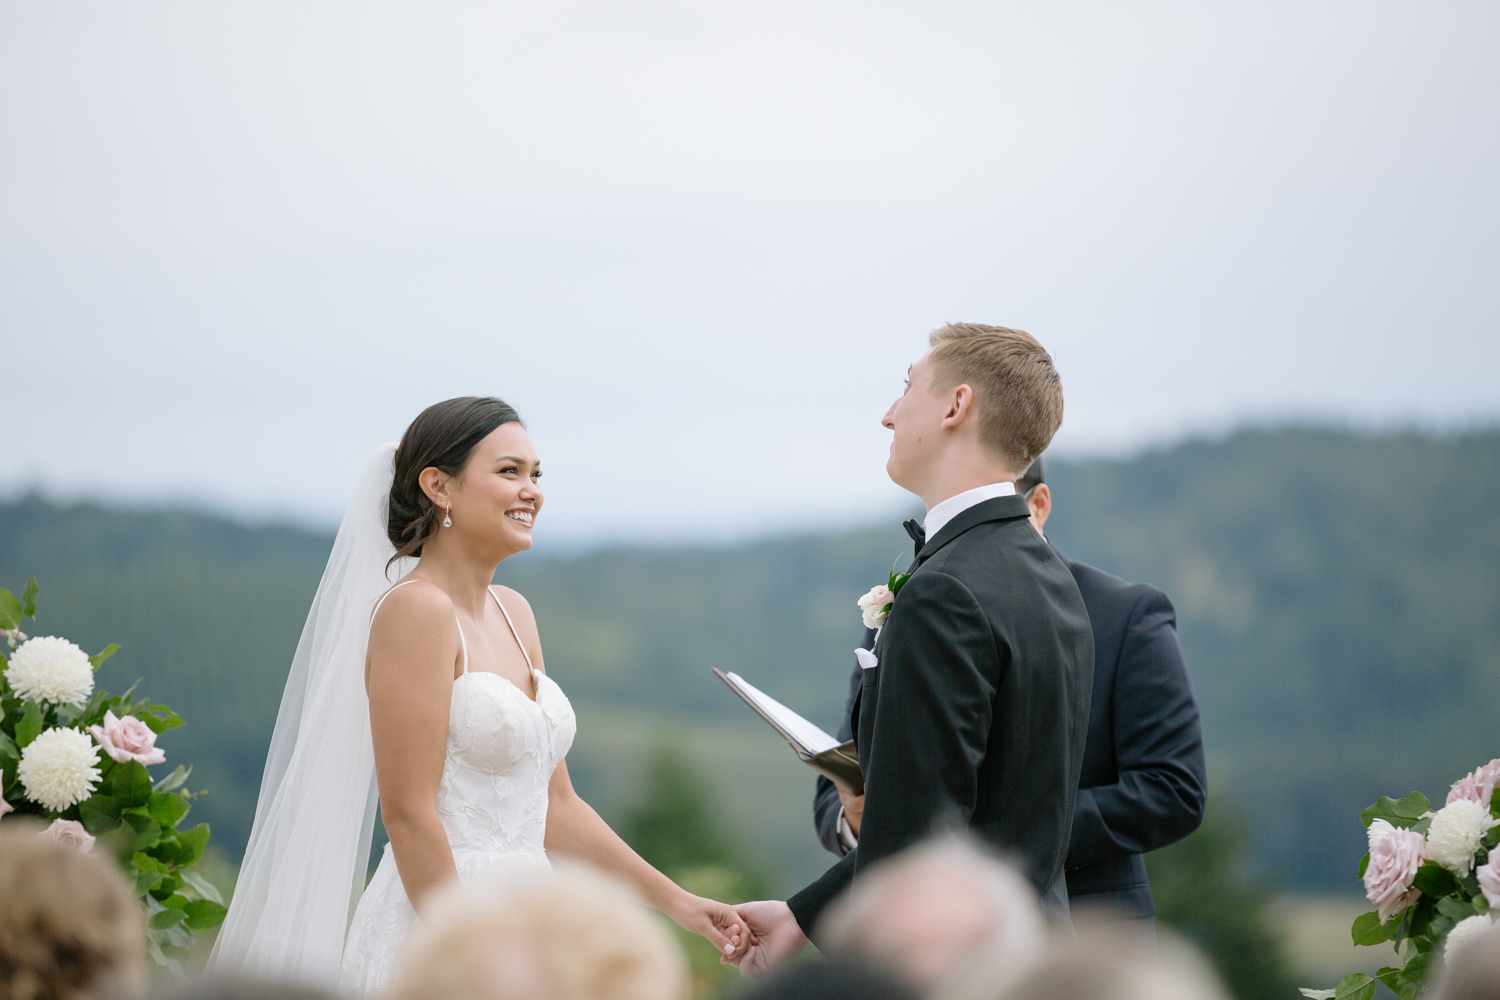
<point x="418" y="609"/>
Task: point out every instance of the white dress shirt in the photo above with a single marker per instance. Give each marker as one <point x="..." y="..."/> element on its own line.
<point x="937" y="517"/>
<point x="950" y="508"/>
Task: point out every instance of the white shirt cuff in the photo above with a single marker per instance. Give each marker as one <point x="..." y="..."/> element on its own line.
<point x="846" y="835"/>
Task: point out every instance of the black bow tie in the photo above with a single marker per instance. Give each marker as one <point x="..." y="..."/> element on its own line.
<point x="918" y="534"/>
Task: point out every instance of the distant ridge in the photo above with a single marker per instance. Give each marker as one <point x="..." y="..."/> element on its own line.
<point x="1338" y="595"/>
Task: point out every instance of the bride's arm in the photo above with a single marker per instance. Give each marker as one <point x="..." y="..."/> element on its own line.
<point x="575" y="830"/>
<point x="413" y="649"/>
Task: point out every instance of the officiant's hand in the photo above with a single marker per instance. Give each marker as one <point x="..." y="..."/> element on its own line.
<point x="854" y="809"/>
<point x="718" y="922"/>
<point x="775" y="935"/>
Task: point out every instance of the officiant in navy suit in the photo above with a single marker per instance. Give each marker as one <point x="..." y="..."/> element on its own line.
<point x="1144" y="783"/>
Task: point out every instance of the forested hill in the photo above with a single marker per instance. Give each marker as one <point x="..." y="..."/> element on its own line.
<point x="1338" y="596"/>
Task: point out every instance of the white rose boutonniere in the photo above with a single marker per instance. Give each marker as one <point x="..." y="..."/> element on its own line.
<point x="875" y="606"/>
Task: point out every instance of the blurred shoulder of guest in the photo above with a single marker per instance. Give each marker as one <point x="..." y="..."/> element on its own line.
<point x="1099" y="963"/>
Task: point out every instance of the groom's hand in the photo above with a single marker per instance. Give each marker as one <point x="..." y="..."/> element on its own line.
<point x="854" y="809"/>
<point x="776" y="938"/>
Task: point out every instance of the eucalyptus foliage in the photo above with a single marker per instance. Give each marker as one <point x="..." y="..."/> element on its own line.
<point x="136" y="819"/>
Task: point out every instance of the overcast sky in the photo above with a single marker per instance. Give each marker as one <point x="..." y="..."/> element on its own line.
<point x="697" y="244"/>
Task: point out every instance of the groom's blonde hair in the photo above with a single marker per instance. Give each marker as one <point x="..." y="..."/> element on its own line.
<point x="1017" y="392"/>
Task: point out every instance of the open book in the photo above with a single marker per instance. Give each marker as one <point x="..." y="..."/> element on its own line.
<point x="833" y="760"/>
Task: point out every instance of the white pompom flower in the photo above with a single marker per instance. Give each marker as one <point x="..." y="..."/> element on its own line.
<point x="51" y="669"/>
<point x="1456" y="833"/>
<point x="58" y="769"/>
<point x="1465" y="931"/>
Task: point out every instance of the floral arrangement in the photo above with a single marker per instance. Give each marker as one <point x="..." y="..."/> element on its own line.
<point x="1433" y="877"/>
<point x="79" y="757"/>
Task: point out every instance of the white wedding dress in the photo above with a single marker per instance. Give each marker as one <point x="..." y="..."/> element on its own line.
<point x="502" y="750"/>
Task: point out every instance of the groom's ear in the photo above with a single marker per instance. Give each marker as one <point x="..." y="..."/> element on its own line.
<point x="960" y="406"/>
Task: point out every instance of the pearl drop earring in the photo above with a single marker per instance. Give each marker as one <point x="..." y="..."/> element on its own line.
<point x="447" y="520"/>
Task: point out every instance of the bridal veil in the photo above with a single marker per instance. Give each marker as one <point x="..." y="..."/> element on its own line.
<point x="306" y="860"/>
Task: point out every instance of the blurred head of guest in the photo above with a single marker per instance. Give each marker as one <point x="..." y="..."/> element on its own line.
<point x="571" y="934"/>
<point x="1097" y="964"/>
<point x="70" y="927"/>
<point x="932" y="911"/>
<point x="242" y="989"/>
<point x="835" y="979"/>
<point x="1473" y="972"/>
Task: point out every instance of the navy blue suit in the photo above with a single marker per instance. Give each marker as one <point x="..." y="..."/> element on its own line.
<point x="1144" y="783"/>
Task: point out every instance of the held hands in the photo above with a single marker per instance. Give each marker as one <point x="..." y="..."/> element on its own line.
<point x="854" y="809"/>
<point x="774" y="935"/>
<point x="718" y="922"/>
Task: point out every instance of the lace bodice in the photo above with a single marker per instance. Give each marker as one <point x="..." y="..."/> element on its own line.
<point x="502" y="750"/>
<point x="492" y="801"/>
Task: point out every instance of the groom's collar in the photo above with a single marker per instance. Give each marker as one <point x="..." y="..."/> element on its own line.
<point x="1000" y="508"/>
<point x="947" y="510"/>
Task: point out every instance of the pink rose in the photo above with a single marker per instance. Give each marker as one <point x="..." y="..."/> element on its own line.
<point x="127" y="739"/>
<point x="6" y="807"/>
<point x="1394" y="860"/>
<point x="1478" y="785"/>
<point x="1489" y="878"/>
<point x="70" y="833"/>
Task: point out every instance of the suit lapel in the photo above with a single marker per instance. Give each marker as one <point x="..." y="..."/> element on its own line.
<point x="997" y="509"/>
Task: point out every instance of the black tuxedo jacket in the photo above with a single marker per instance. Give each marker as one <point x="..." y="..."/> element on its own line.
<point x="978" y="709"/>
<point x="1143" y="784"/>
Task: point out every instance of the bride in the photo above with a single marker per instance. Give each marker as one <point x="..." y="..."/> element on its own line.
<point x="430" y="696"/>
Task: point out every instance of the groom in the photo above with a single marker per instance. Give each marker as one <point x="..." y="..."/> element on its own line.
<point x="975" y="703"/>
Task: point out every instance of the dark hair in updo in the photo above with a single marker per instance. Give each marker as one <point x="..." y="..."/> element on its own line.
<point x="442" y="437"/>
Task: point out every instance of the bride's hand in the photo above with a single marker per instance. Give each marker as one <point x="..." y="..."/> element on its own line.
<point x="718" y="922"/>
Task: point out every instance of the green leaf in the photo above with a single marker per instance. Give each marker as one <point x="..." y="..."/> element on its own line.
<point x="1364" y="863"/>
<point x="1397" y="812"/>
<point x="30" y="726"/>
<point x="169" y="884"/>
<point x="160" y="718"/>
<point x="28" y="596"/>
<point x="132" y="784"/>
<point x="205" y="914"/>
<point x="1435" y="880"/>
<point x="1495" y="803"/>
<point x="11" y="611"/>
<point x="147" y="831"/>
<point x="8" y="748"/>
<point x="146" y="863"/>
<point x="175" y="780"/>
<point x="167" y="918"/>
<point x="1368" y="929"/>
<point x="193" y="843"/>
<point x="104" y="654"/>
<point x="1455" y="908"/>
<point x="202" y="886"/>
<point x="99" y="814"/>
<point x="167" y="809"/>
<point x="1356" y="986"/>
